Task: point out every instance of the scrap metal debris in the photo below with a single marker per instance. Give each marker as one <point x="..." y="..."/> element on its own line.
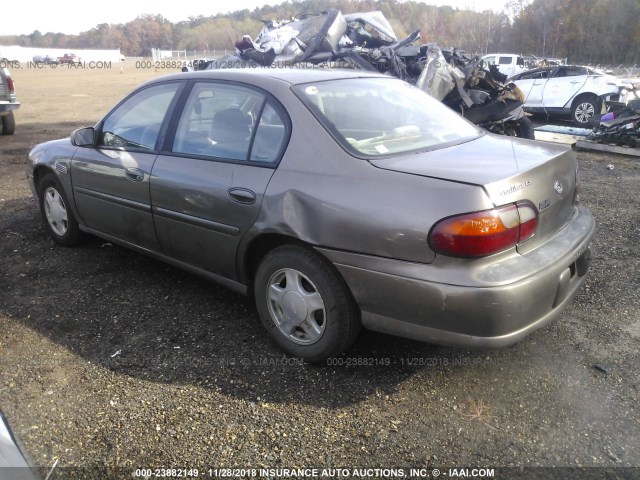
<point x="620" y="123"/>
<point x="367" y="41"/>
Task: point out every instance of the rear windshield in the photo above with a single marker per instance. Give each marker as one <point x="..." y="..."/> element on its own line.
<point x="374" y="117"/>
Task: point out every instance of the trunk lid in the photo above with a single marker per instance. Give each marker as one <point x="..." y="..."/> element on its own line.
<point x="509" y="170"/>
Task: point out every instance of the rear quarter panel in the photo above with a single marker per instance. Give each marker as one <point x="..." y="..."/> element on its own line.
<point x="325" y="197"/>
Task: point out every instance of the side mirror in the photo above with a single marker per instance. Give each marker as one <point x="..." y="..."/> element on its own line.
<point x="84" y="137"/>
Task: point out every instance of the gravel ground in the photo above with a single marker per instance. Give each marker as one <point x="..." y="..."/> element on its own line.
<point x="111" y="359"/>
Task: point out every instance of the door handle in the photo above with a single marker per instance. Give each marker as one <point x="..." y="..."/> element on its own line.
<point x="576" y="81"/>
<point x="242" y="195"/>
<point x="134" y="174"/>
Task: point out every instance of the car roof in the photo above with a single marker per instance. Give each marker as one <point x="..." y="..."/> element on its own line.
<point x="257" y="75"/>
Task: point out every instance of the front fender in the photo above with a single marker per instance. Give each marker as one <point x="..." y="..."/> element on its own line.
<point x="53" y="157"/>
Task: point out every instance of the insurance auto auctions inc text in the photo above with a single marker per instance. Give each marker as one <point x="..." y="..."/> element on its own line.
<point x="353" y="473"/>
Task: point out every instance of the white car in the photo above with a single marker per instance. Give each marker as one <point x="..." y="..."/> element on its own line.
<point x="567" y="90"/>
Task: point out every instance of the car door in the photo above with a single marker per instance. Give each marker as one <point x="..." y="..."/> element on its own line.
<point x="208" y="183"/>
<point x="563" y="84"/>
<point x="532" y="86"/>
<point x="111" y="180"/>
<point x="520" y="65"/>
<point x="507" y="64"/>
<point x="488" y="60"/>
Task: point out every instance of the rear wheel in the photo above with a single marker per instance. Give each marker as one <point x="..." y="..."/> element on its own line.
<point x="8" y="124"/>
<point x="304" y="304"/>
<point x="58" y="217"/>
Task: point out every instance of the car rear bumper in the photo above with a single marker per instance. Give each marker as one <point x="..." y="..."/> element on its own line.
<point x="6" y="107"/>
<point x="518" y="295"/>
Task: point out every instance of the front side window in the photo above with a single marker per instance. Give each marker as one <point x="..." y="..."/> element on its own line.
<point x="383" y="116"/>
<point x="136" y="123"/>
<point x="539" y="74"/>
<point x="576" y="71"/>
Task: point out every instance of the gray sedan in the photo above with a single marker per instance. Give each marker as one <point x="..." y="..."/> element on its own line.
<point x="338" y="200"/>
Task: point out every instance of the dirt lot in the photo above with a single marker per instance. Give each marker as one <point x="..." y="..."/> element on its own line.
<point x="109" y="358"/>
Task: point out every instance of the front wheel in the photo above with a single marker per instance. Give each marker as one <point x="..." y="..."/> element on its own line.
<point x="583" y="111"/>
<point x="58" y="217"/>
<point x="524" y="129"/>
<point x="304" y="304"/>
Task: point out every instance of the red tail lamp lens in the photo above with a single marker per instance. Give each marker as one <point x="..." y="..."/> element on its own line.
<point x="483" y="233"/>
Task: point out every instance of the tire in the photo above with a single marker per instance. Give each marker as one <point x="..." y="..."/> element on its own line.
<point x="525" y="129"/>
<point x="8" y="124"/>
<point x="58" y="218"/>
<point x="583" y="110"/>
<point x="304" y="304"/>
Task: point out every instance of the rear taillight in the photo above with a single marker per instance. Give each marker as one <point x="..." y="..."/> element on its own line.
<point x="483" y="233"/>
<point x="10" y="85"/>
<point x="576" y="190"/>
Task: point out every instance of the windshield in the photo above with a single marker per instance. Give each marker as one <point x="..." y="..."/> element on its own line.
<point x="374" y="117"/>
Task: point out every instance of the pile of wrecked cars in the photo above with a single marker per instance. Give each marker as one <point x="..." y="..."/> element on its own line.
<point x="619" y="122"/>
<point x="366" y="41"/>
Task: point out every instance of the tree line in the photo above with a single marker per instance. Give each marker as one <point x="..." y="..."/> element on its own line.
<point x="584" y="31"/>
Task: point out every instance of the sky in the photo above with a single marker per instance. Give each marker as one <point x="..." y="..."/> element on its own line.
<point x="75" y="16"/>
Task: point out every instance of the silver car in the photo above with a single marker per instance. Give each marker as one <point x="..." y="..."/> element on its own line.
<point x="337" y="199"/>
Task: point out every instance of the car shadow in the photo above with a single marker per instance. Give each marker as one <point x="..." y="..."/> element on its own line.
<point x="142" y="318"/>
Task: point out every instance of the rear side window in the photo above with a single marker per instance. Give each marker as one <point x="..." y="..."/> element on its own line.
<point x="270" y="135"/>
<point x="230" y="122"/>
<point x="136" y="123"/>
<point x="504" y="60"/>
